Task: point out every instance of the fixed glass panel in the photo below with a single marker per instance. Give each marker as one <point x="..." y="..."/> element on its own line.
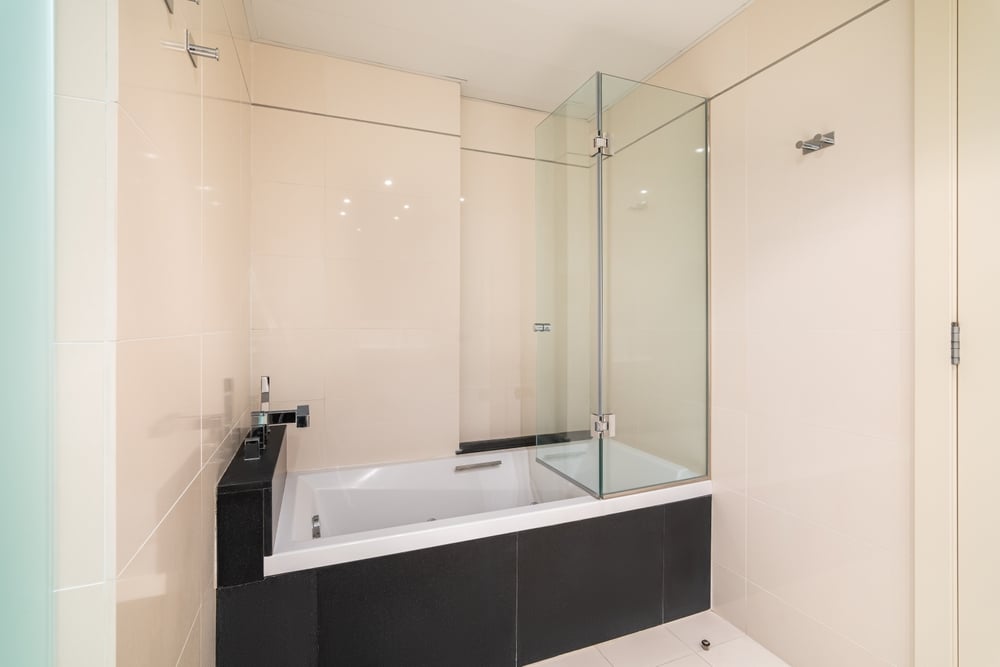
<point x="655" y="289"/>
<point x="566" y="250"/>
<point x="622" y="287"/>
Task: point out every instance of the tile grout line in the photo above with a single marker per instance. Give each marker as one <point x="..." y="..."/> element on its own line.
<point x="190" y="633"/>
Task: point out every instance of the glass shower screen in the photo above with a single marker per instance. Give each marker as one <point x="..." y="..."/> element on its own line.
<point x="621" y="327"/>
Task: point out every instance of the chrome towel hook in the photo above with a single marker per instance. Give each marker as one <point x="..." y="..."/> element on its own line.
<point x="817" y="143"/>
<point x="197" y="50"/>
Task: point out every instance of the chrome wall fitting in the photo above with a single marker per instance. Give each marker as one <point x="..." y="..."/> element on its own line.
<point x="198" y="50"/>
<point x="817" y="143"/>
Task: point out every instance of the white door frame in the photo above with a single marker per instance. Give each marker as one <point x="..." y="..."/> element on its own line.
<point x="935" y="286"/>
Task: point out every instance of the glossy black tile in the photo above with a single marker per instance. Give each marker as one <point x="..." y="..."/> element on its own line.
<point x="588" y="581"/>
<point x="687" y="560"/>
<point x="268" y="623"/>
<point x="450" y="606"/>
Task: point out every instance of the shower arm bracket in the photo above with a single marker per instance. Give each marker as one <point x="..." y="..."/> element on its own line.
<point x="602" y="425"/>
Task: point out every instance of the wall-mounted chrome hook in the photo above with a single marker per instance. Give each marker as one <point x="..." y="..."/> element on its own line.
<point x="197" y="50"/>
<point x="817" y="143"/>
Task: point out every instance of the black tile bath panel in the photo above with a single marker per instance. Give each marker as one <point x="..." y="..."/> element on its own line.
<point x="268" y="623"/>
<point x="687" y="566"/>
<point x="448" y="606"/>
<point x="588" y="581"/>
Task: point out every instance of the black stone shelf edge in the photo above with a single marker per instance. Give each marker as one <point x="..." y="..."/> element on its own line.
<point x="248" y="502"/>
<point x="479" y="446"/>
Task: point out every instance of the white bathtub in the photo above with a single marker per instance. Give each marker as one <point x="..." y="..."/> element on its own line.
<point x="372" y="511"/>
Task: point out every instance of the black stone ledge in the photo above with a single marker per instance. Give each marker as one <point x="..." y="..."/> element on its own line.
<point x="255" y="475"/>
<point x="479" y="446"/>
<point x="248" y="503"/>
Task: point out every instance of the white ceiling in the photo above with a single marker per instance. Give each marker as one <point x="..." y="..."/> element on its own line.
<point x="531" y="53"/>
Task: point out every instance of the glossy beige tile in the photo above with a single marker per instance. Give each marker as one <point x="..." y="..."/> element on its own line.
<point x="488" y="126"/>
<point x="729" y="449"/>
<point x="855" y="589"/>
<point x="295" y="360"/>
<point x="84" y="621"/>
<point x="159" y="216"/>
<point x="225" y="386"/>
<point x="288" y="147"/>
<point x="151" y="54"/>
<point x="729" y="596"/>
<point x="222" y="78"/>
<point x="225" y="227"/>
<point x="81" y="437"/>
<point x="158" y="433"/>
<point x="364" y="155"/>
<point x="310" y="448"/>
<point x="778" y="27"/>
<point x="729" y="530"/>
<point x="715" y="63"/>
<point x="288" y="219"/>
<point x="800" y="640"/>
<point x="411" y="373"/>
<point x="357" y="90"/>
<point x="288" y="78"/>
<point x="289" y="293"/>
<point x="159" y="592"/>
<point x="81" y="39"/>
<point x="191" y="653"/>
<point x="83" y="293"/>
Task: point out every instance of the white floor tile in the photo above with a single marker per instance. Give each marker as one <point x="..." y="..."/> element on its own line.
<point x="742" y="652"/>
<point x="706" y="625"/>
<point x="690" y="661"/>
<point x="586" y="657"/>
<point x="648" y="648"/>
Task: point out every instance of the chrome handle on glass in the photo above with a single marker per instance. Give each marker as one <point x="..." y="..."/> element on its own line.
<point x="542" y="327"/>
<point x="198" y="50"/>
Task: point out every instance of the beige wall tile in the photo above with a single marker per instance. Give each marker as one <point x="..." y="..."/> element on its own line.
<point x="159" y="217"/>
<point x="192" y="652"/>
<point x="158" y="433"/>
<point x="225" y="248"/>
<point x="288" y="219"/>
<point x="288" y="147"/>
<point x="778" y="27"/>
<point x="729" y="597"/>
<point x="83" y="294"/>
<point x="159" y="593"/>
<point x="84" y="622"/>
<point x="356" y="90"/>
<point x="225" y="385"/>
<point x="81" y="40"/>
<point x="488" y="126"/>
<point x="288" y="78"/>
<point x="499" y="202"/>
<point x="715" y="63"/>
<point x="729" y="530"/>
<point x="799" y="639"/>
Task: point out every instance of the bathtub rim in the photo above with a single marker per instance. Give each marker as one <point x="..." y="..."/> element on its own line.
<point x="335" y="550"/>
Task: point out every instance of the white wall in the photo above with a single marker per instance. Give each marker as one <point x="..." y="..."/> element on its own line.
<point x="812" y="288"/>
<point x="357" y="314"/>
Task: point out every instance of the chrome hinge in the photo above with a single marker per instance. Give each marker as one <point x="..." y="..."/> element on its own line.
<point x="542" y="327"/>
<point x="602" y="425"/>
<point x="602" y="145"/>
<point x="956" y="343"/>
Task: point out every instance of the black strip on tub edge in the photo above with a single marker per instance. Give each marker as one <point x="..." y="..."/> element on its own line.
<point x="478" y="446"/>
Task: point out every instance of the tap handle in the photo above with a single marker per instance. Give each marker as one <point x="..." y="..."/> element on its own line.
<point x="265" y="392"/>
